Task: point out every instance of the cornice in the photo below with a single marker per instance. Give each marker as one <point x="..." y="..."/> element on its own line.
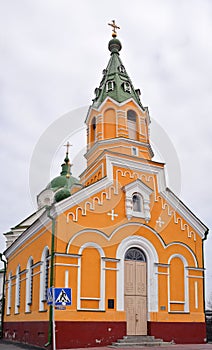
<point x="28" y="233"/>
<point x="185" y="212"/>
<point x="118" y="140"/>
<point x="119" y="104"/>
<point x="140" y="184"/>
<point x="127" y="158"/>
<point x="149" y="167"/>
<point x="165" y="192"/>
<point x="80" y="196"/>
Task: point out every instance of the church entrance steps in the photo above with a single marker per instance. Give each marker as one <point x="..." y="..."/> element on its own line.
<point x="139" y="340"/>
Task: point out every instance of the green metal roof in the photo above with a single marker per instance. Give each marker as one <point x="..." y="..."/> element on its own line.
<point x="62" y="184"/>
<point x="62" y="181"/>
<point x="115" y="83"/>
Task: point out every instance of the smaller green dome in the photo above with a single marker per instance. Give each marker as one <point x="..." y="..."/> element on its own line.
<point x="57" y="182"/>
<point x="62" y="194"/>
<point x="62" y="185"/>
<point x="114" y="45"/>
<point x="63" y="181"/>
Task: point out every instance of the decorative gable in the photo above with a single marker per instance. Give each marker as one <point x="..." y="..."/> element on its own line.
<point x="137" y="200"/>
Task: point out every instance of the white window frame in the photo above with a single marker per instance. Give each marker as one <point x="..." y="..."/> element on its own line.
<point x="121" y="69"/>
<point x="127" y="87"/>
<point x="43" y="275"/>
<point x="138" y="187"/>
<point x="185" y="302"/>
<point x="141" y="203"/>
<point x="110" y="85"/>
<point x="132" y="124"/>
<point x="29" y="291"/>
<point x="9" y="293"/>
<point x="94" y="126"/>
<point x="17" y="290"/>
<point x="134" y="151"/>
<point x="102" y="279"/>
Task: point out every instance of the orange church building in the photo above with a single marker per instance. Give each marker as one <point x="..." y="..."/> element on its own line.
<point x="129" y="249"/>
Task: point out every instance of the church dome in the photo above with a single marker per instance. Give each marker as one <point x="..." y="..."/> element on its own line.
<point x="62" y="181"/>
<point x="62" y="194"/>
<point x="61" y="186"/>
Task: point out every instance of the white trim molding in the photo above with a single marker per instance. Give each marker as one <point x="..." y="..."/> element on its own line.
<point x="9" y="293"/>
<point x="43" y="278"/>
<point x="17" y="289"/>
<point x="29" y="285"/>
<point x="119" y="104"/>
<point x="102" y="277"/>
<point x="186" y="285"/>
<point x="144" y="191"/>
<point x="152" y="278"/>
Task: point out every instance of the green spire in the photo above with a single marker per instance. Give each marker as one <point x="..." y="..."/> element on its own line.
<point x="115" y="82"/>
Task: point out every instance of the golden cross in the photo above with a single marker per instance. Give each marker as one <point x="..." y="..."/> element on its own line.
<point x="113" y="24"/>
<point x="67" y="146"/>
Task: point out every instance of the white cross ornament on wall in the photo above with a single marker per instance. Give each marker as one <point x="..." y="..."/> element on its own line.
<point x="160" y="222"/>
<point x="112" y="214"/>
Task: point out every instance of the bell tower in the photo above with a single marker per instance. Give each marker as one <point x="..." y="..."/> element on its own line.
<point x="116" y="121"/>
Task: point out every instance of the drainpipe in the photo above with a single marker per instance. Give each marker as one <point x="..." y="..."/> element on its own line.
<point x="3" y="295"/>
<point x="50" y="330"/>
<point x="203" y="265"/>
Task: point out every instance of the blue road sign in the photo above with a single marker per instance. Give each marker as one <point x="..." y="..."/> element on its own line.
<point x="49" y="296"/>
<point x="62" y="296"/>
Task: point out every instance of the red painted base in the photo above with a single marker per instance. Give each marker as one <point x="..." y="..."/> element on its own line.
<point x="68" y="334"/>
<point x="35" y="333"/>
<point x="179" y="332"/>
<point x="90" y="334"/>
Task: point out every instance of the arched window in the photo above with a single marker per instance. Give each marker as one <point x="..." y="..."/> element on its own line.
<point x="29" y="280"/>
<point x="121" y="69"/>
<point x="17" y="290"/>
<point x="9" y="293"/>
<point x="109" y="124"/>
<point x="44" y="278"/>
<point x="110" y="85"/>
<point x="131" y="115"/>
<point x="131" y="123"/>
<point x="137" y="202"/>
<point x="127" y="87"/>
<point x="135" y="254"/>
<point x="93" y="130"/>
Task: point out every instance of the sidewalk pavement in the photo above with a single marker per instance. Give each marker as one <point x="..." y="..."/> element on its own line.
<point x="12" y="346"/>
<point x="162" y="347"/>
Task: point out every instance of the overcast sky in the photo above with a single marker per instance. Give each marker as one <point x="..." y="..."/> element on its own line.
<point x="52" y="57"/>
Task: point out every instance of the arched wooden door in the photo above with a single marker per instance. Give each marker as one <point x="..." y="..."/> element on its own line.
<point x="135" y="292"/>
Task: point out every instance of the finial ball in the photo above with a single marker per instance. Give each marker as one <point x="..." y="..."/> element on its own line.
<point x="114" y="45"/>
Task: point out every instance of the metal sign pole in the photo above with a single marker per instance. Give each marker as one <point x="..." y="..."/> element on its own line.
<point x="53" y="319"/>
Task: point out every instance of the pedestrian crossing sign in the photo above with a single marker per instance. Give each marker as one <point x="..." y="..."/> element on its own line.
<point x="62" y="296"/>
<point x="59" y="296"/>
